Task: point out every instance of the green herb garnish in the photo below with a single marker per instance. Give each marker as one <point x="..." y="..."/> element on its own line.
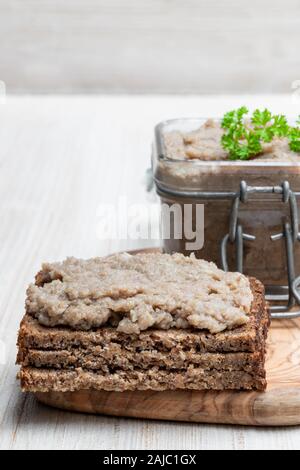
<point x="243" y="138"/>
<point x="294" y="136"/>
<point x="239" y="140"/>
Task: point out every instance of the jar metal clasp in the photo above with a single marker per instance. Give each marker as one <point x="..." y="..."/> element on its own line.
<point x="290" y="232"/>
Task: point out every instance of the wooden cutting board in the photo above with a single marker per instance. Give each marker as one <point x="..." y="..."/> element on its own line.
<point x="278" y="406"/>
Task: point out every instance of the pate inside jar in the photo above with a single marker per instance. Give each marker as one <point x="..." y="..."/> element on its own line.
<point x="190" y="167"/>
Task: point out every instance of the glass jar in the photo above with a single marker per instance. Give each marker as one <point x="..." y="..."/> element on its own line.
<point x="261" y="207"/>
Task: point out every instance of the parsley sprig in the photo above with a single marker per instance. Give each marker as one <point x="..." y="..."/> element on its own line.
<point x="294" y="136"/>
<point x="243" y="138"/>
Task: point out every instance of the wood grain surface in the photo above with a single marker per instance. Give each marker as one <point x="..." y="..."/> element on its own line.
<point x="60" y="158"/>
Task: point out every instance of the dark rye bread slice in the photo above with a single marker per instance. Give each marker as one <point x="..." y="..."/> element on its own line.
<point x="107" y="359"/>
<point x="247" y="338"/>
<point x="44" y="380"/>
<point x="114" y="355"/>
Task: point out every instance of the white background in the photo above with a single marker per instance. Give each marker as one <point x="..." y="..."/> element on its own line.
<point x="169" y="46"/>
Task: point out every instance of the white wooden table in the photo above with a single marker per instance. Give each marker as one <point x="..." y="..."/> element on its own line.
<point x="60" y="158"/>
